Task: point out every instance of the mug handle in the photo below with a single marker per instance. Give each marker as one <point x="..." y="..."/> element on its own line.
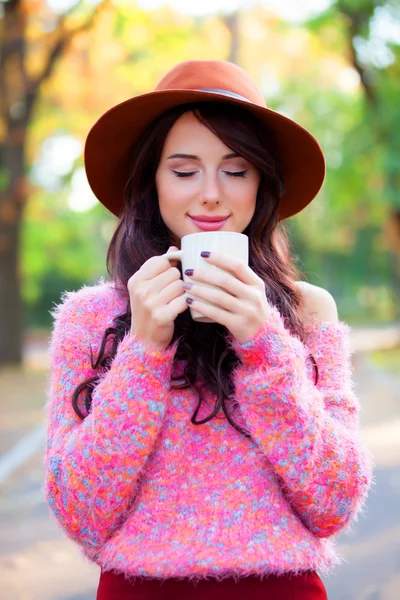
<point x="174" y="255"/>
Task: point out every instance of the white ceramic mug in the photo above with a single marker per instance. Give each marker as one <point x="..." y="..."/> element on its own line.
<point x="225" y="242"/>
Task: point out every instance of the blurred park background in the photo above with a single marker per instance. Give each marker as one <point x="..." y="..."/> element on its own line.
<point x="331" y="65"/>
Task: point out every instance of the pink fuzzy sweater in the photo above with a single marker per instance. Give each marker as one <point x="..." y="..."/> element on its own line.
<point x="145" y="492"/>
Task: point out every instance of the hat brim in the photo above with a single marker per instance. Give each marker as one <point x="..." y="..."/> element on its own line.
<point x="112" y="136"/>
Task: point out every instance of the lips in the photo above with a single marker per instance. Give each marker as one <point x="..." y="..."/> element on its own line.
<point x="209" y="225"/>
<point x="208" y="219"/>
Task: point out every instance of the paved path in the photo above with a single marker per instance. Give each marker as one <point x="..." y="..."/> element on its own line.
<point x="37" y="562"/>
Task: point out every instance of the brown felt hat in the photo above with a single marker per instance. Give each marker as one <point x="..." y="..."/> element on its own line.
<point x="112" y="136"/>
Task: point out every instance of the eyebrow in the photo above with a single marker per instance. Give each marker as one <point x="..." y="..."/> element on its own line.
<point x="194" y="157"/>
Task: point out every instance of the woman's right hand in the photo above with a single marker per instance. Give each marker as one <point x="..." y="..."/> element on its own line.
<point x="157" y="296"/>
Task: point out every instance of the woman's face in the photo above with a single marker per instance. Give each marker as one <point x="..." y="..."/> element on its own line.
<point x="199" y="175"/>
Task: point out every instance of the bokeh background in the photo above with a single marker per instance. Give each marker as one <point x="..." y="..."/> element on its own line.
<point x="331" y="65"/>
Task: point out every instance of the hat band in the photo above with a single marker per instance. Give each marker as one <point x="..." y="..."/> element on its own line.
<point x="224" y="93"/>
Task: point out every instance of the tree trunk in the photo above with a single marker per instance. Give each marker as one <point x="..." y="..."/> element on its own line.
<point x="12" y="202"/>
<point x="232" y="22"/>
<point x="14" y="114"/>
<point x="11" y="325"/>
<point x="18" y="97"/>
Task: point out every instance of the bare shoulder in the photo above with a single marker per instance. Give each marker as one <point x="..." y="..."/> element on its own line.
<point x="319" y="304"/>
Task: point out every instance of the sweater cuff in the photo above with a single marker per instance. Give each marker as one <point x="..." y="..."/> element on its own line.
<point x="272" y="344"/>
<point x="133" y="355"/>
<point x="327" y="341"/>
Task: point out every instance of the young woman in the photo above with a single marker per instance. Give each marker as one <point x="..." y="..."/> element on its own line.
<point x="203" y="460"/>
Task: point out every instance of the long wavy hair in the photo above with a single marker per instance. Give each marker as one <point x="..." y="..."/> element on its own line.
<point x="141" y="233"/>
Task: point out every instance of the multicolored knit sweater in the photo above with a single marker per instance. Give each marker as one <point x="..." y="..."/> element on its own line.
<point x="145" y="492"/>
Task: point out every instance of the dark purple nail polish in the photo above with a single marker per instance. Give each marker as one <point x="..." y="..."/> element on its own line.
<point x="189" y="300"/>
<point x="205" y="254"/>
<point x="189" y="272"/>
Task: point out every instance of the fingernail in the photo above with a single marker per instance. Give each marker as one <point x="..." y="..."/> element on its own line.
<point x="189" y="300"/>
<point x="187" y="285"/>
<point x="189" y="272"/>
<point x="205" y="254"/>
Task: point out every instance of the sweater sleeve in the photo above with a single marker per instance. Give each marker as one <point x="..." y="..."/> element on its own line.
<point x="309" y="433"/>
<point x="93" y="466"/>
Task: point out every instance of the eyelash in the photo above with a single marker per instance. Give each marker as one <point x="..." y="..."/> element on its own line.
<point x="231" y="174"/>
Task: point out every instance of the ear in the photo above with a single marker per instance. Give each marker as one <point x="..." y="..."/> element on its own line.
<point x="319" y="304"/>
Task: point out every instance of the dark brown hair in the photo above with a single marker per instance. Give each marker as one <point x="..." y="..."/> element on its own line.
<point x="141" y="234"/>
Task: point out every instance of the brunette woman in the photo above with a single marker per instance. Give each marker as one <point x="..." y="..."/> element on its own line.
<point x="203" y="460"/>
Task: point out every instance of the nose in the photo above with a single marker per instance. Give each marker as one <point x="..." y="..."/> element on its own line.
<point x="211" y="190"/>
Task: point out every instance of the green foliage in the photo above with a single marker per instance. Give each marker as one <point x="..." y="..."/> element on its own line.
<point x="61" y="249"/>
<point x="4" y="179"/>
<point x="364" y="188"/>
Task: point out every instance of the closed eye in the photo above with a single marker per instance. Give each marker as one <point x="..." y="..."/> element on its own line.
<point x="189" y="173"/>
<point x="184" y="174"/>
<point x="236" y="173"/>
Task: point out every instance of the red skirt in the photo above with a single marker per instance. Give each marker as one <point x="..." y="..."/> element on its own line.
<point x="306" y="586"/>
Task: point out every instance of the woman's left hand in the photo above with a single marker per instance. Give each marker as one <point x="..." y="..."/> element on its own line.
<point x="240" y="297"/>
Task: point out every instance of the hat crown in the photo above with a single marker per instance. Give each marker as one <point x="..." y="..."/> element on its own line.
<point x="213" y="76"/>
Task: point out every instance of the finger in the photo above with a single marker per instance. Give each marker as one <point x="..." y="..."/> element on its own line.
<point x="223" y="317"/>
<point x="221" y="279"/>
<point x="215" y="295"/>
<point x="234" y="266"/>
<point x="155" y="266"/>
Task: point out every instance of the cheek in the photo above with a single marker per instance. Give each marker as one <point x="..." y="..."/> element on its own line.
<point x="164" y="187"/>
<point x="245" y="194"/>
<point x="170" y="193"/>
